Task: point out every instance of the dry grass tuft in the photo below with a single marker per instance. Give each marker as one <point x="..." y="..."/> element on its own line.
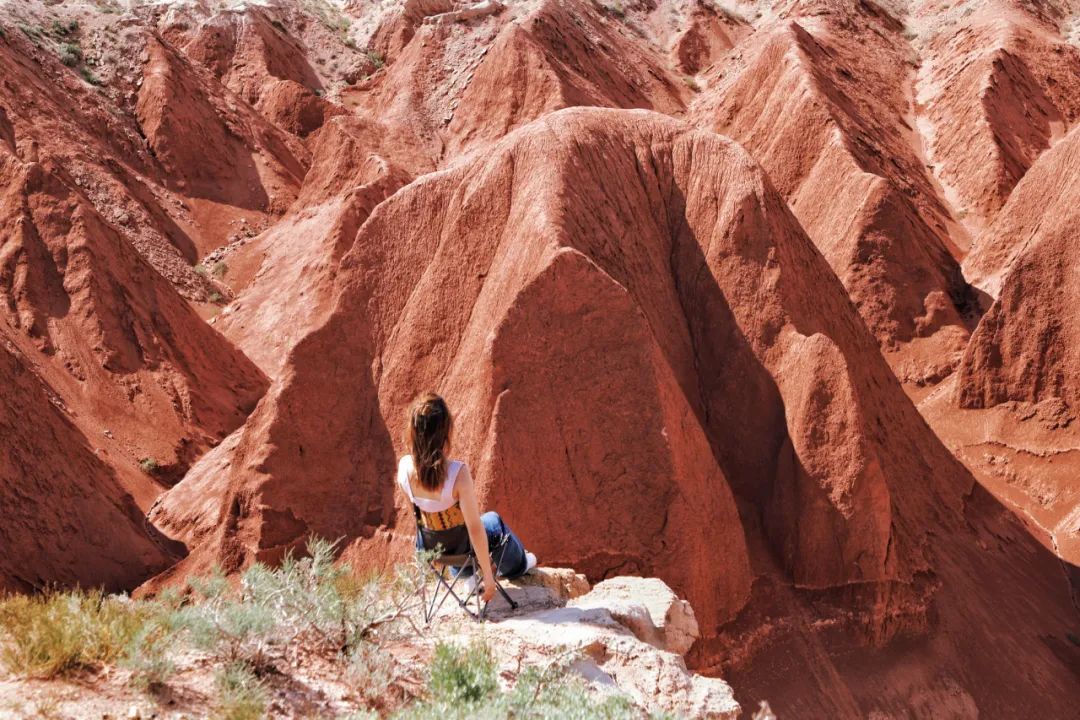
<point x="57" y="634"/>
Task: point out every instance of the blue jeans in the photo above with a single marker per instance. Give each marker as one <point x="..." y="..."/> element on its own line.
<point x="507" y="552"/>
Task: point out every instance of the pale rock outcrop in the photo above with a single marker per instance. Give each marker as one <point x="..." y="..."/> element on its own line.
<point x="610" y="636"/>
<point x="649" y="608"/>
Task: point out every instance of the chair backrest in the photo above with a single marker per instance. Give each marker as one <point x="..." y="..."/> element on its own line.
<point x="452" y="541"/>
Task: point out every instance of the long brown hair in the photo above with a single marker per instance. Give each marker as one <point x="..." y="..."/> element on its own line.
<point x="428" y="436"/>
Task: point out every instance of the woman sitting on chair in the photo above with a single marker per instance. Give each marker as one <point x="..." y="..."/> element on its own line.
<point x="443" y="497"/>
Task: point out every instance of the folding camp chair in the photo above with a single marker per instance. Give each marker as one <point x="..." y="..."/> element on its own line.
<point x="464" y="559"/>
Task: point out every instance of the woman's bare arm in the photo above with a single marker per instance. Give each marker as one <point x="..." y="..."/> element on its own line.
<point x="470" y="508"/>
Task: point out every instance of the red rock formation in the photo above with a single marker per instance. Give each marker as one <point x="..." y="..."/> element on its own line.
<point x="294" y="263"/>
<point x="396" y="28"/>
<point x="655" y="368"/>
<point x="66" y="518"/>
<point x="122" y="347"/>
<point x="1027" y="346"/>
<point x="695" y="33"/>
<point x="561" y="55"/>
<point x="257" y="58"/>
<point x="707" y="36"/>
<point x="1041" y="205"/>
<point x="685" y="277"/>
<point x="52" y="114"/>
<point x="253" y="166"/>
<point x="454" y="86"/>
<point x="247" y="53"/>
<point x="999" y="84"/>
<point x="820" y="101"/>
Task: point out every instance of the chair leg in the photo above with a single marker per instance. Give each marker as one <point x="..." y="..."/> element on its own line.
<point x="447" y="591"/>
<point x="444" y="588"/>
<point x="506" y="595"/>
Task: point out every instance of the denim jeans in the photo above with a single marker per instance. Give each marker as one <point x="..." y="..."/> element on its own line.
<point x="507" y="552"/>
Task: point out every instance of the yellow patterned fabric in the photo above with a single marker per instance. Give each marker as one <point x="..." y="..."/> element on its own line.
<point x="449" y="518"/>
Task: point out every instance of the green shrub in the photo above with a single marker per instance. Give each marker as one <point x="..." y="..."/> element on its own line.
<point x="240" y="694"/>
<point x="220" y="269"/>
<point x="328" y="605"/>
<point x="61" y="29"/>
<point x="215" y="297"/>
<point x="70" y="54"/>
<point x="376" y="59"/>
<point x="59" y="633"/>
<point x="231" y="627"/>
<point x="90" y="77"/>
<point x="464" y="684"/>
<point x="149" y="465"/>
<point x="147" y="653"/>
<point x="244" y="628"/>
<point x="33" y="32"/>
<point x="372" y="672"/>
<point x="463" y="675"/>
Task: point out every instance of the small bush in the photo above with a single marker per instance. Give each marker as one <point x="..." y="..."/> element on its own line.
<point x="376" y="59"/>
<point x="146" y="654"/>
<point x="691" y="83"/>
<point x="220" y="269"/>
<point x="617" y="9"/>
<point x="61" y="29"/>
<point x="150" y="466"/>
<point x="231" y="627"/>
<point x="240" y="694"/>
<point x="70" y="54"/>
<point x="56" y="634"/>
<point x="327" y="605"/>
<point x="372" y="673"/>
<point x="463" y="675"/>
<point x="201" y="270"/>
<point x="90" y="77"/>
<point x="464" y="684"/>
<point x="33" y="32"/>
<point x="46" y="708"/>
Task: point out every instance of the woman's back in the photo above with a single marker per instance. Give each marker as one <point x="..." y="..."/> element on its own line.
<point x="428" y="504"/>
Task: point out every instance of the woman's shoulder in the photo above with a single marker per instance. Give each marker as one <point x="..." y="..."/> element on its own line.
<point x="458" y="469"/>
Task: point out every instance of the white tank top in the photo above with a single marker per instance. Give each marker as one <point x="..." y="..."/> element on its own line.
<point x="445" y="500"/>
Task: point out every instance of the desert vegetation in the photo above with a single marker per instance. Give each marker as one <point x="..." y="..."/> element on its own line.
<point x="248" y="637"/>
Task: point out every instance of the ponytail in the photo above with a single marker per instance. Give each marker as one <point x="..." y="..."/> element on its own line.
<point x="428" y="437"/>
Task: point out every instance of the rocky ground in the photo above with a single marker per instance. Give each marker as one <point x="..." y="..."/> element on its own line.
<point x="627" y="636"/>
<point x="774" y="302"/>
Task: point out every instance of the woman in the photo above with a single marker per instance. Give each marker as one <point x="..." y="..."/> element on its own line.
<point x="442" y="493"/>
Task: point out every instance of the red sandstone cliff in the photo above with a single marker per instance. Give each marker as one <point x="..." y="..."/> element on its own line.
<point x="680" y="268"/>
